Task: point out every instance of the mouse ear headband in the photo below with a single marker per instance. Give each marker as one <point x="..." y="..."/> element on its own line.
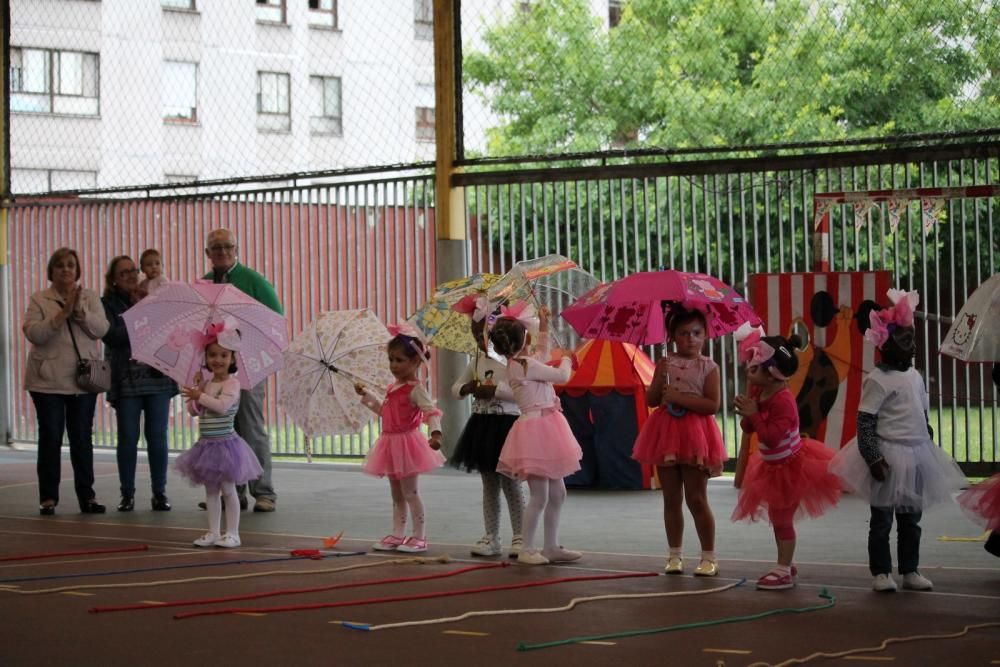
<point x="884" y="323"/>
<point x="753" y="350"/>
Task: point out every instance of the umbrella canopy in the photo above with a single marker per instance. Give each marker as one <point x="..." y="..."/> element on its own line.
<point x="336" y="350"/>
<point x="444" y="327"/>
<point x="552" y="281"/>
<point x="631" y="309"/>
<point x="166" y="330"/>
<point x="975" y="333"/>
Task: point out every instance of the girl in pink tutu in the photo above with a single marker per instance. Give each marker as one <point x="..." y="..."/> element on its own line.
<point x="220" y="459"/>
<point x="682" y="439"/>
<point x="893" y="463"/>
<point x="786" y="477"/>
<point x="540" y="446"/>
<point x="402" y="452"/>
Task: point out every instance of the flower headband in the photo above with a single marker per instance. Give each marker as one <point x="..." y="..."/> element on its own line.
<point x="523" y="313"/>
<point x="224" y="333"/>
<point x="476" y="307"/>
<point x="753" y="351"/>
<point x="413" y="337"/>
<point x="886" y="322"/>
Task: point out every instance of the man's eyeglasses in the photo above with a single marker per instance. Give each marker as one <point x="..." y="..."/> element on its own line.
<point x="225" y="247"/>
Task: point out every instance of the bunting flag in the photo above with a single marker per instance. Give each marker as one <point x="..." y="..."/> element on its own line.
<point x="896" y="207"/>
<point x="861" y="209"/>
<point x="823" y="208"/>
<point x="931" y="209"/>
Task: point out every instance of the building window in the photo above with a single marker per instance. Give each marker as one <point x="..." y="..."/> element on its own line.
<point x="274" y="102"/>
<point x="178" y="4"/>
<point x="425" y="112"/>
<point x="48" y="81"/>
<point x="614" y="13"/>
<point x="33" y="181"/>
<point x="180" y="91"/>
<point x="326" y="116"/>
<point x="423" y="19"/>
<point x="323" y="13"/>
<point x="271" y="11"/>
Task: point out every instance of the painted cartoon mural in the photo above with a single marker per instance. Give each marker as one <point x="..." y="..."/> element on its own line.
<point x="823" y="309"/>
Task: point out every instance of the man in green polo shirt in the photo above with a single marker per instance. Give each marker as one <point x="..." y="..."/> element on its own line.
<point x="222" y="250"/>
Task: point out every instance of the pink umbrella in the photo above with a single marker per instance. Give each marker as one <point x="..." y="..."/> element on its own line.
<point x="631" y="309"/>
<point x="165" y="330"/>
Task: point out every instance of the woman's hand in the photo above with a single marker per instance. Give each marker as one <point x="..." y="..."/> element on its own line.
<point x="746" y="406"/>
<point x="435" y="440"/>
<point x="484" y="391"/>
<point x="879" y="470"/>
<point x="468" y="388"/>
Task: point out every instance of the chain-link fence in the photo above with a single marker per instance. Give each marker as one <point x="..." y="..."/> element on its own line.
<point x="113" y="93"/>
<point x="575" y="76"/>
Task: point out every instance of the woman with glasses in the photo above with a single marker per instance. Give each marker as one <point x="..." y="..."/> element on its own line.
<point x="137" y="390"/>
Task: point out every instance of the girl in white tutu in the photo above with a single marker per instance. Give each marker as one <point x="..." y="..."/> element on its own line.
<point x="893" y="463"/>
<point x="540" y="447"/>
<point x="220" y="459"/>
<point x="402" y="452"/>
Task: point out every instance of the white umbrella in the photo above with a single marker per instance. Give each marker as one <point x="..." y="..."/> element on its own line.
<point x="322" y="364"/>
<point x="975" y="333"/>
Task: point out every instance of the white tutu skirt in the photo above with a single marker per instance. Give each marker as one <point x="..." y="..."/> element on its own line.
<point x="920" y="476"/>
<point x="541" y="446"/>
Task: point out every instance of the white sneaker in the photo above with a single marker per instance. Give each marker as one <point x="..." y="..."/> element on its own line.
<point x="531" y="558"/>
<point x="486" y="546"/>
<point x="516" y="545"/>
<point x="228" y="541"/>
<point x="206" y="540"/>
<point x="560" y="555"/>
<point x="917" y="582"/>
<point x="884" y="583"/>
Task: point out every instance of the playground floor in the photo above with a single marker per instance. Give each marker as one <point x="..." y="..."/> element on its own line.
<point x="136" y="591"/>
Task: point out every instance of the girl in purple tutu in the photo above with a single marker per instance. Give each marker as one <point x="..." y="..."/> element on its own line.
<point x="540" y="446"/>
<point x="402" y="452"/>
<point x="220" y="459"/>
<point x="682" y="439"/>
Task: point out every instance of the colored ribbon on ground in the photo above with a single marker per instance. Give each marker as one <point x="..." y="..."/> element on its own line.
<point x="249" y="575"/>
<point x="298" y="591"/>
<point x="415" y="596"/>
<point x="539" y="610"/>
<point x="109" y="573"/>
<point x="84" y="552"/>
<point x="685" y="626"/>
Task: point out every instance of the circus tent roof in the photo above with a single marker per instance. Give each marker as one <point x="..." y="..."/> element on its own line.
<point x="610" y="365"/>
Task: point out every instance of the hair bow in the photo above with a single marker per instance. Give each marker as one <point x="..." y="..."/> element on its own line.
<point x="415" y="338"/>
<point x="885" y="322"/>
<point x="476" y="307"/>
<point x="224" y="333"/>
<point x="751" y="349"/>
<point x="522" y="312"/>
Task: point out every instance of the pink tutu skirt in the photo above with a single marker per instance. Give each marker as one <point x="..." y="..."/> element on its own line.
<point x="540" y="446"/>
<point x="694" y="439"/>
<point x="981" y="503"/>
<point x="399" y="455"/>
<point x="799" y="484"/>
<point x="217" y="460"/>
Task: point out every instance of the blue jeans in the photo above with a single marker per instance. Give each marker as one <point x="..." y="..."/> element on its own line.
<point x="907" y="540"/>
<point x="251" y="426"/>
<point x="59" y="414"/>
<point x="129" y="410"/>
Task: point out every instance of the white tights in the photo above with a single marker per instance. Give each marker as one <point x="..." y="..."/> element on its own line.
<point x="405" y="495"/>
<point x="213" y="504"/>
<point x="547" y="495"/>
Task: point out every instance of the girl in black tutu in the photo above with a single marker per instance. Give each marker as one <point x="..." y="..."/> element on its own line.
<point x="493" y="413"/>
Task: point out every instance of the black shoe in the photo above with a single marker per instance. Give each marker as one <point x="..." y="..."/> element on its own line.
<point x="993" y="543"/>
<point x="92" y="507"/>
<point x="160" y="503"/>
<point x="127" y="504"/>
<point x="47" y="509"/>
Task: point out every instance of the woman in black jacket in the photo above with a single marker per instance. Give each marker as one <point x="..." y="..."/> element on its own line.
<point x="136" y="390"/>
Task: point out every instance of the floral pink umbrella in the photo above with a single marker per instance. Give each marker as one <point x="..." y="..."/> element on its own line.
<point x="631" y="309"/>
<point x="167" y="328"/>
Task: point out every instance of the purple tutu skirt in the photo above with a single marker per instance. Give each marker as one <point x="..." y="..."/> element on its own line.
<point x="216" y="460"/>
<point x="693" y="439"/>
<point x="541" y="446"/>
<point x="400" y="455"/>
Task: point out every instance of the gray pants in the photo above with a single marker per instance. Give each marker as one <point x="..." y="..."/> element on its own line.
<point x="251" y="427"/>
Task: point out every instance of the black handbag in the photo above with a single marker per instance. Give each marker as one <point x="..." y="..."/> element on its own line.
<point x="92" y="375"/>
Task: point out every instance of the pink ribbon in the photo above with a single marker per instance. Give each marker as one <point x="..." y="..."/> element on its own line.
<point x="753" y="351"/>
<point x="523" y="312"/>
<point x="900" y="314"/>
<point x="476" y="307"/>
<point x="409" y="330"/>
